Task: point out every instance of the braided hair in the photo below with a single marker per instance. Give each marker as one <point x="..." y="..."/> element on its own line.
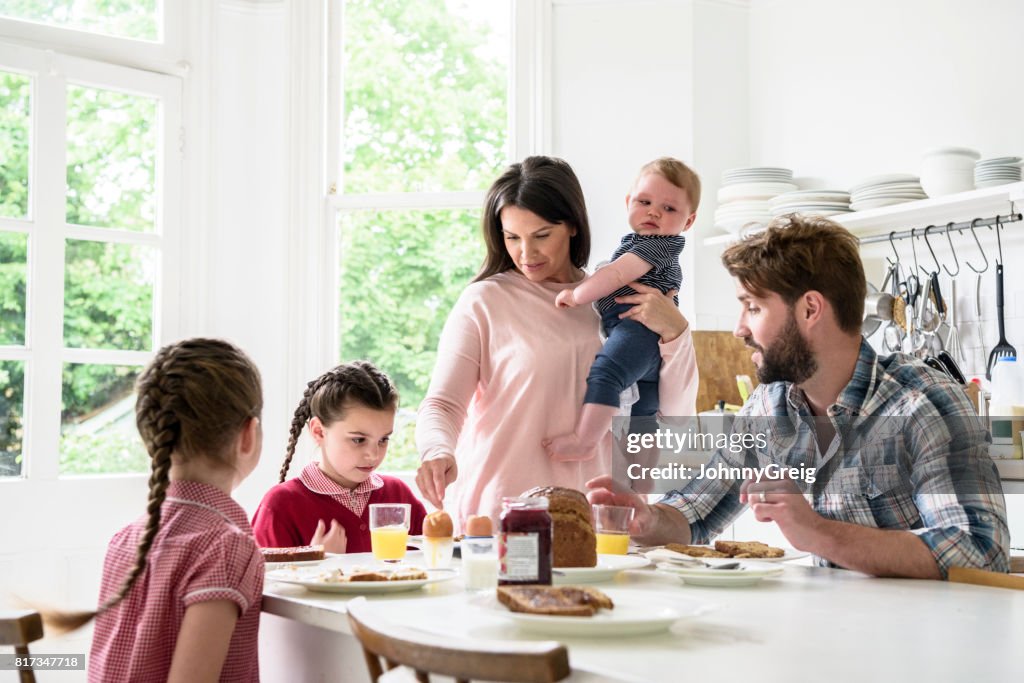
<point x="193" y="400"/>
<point x="332" y="393"/>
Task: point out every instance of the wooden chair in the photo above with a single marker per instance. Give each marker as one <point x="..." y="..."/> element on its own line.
<point x="492" y="660"/>
<point x="982" y="577"/>
<point x="19" y="629"/>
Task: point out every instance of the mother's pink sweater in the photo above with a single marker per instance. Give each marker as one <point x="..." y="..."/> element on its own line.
<point x="511" y="371"/>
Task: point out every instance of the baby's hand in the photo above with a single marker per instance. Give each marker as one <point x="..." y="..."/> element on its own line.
<point x="565" y="299"/>
<point x="334" y="541"/>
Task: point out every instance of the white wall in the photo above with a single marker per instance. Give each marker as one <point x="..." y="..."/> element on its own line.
<point x="247" y="296"/>
<point x="841" y="90"/>
<point x="622" y="95"/>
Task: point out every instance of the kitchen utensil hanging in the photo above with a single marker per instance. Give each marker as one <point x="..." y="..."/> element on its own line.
<point x="1003" y="348"/>
<point x="894" y="338"/>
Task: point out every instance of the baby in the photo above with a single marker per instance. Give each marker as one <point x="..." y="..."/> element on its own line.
<point x="661" y="206"/>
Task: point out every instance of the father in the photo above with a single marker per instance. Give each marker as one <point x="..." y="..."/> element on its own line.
<point x="904" y="487"/>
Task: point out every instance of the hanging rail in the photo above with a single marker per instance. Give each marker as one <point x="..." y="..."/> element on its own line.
<point x="942" y="229"/>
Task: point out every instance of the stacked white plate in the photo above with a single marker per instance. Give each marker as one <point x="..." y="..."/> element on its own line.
<point x="1001" y="171"/>
<point x="811" y="202"/>
<point x="883" y="190"/>
<point x="745" y="193"/>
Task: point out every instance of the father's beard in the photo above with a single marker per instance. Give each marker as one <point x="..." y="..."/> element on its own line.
<point x="787" y="359"/>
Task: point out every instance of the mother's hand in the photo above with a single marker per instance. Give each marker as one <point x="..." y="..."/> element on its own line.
<point x="433" y="477"/>
<point x="655" y="311"/>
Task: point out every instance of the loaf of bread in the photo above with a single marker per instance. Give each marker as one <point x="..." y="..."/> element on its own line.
<point x="304" y="553"/>
<point x="573" y="543"/>
<point x="565" y="601"/>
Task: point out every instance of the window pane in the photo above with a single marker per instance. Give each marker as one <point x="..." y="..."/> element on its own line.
<point x="13" y="267"/>
<point x="15" y="117"/>
<point x="425" y="93"/>
<point x="137" y="19"/>
<point x="98" y="433"/>
<point x="112" y="146"/>
<point x="108" y="296"/>
<point x="12" y="408"/>
<point x="401" y="272"/>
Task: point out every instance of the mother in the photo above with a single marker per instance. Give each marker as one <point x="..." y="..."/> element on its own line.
<point x="511" y="367"/>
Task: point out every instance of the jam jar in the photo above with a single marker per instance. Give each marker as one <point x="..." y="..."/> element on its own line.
<point x="524" y="542"/>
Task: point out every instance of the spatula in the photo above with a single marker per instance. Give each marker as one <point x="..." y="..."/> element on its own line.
<point x="1003" y="348"/>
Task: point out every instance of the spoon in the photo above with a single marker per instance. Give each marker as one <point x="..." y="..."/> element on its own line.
<point x="725" y="565"/>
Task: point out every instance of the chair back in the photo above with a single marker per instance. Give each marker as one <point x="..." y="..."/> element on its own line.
<point x="983" y="577"/>
<point x="465" y="660"/>
<point x="20" y="628"/>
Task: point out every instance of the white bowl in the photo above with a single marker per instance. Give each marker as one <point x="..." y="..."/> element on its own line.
<point x="952" y="151"/>
<point x="941" y="184"/>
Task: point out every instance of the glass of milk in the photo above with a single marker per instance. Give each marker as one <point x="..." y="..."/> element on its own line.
<point x="479" y="563"/>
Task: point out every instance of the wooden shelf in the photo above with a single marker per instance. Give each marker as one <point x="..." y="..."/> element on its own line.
<point x="963" y="206"/>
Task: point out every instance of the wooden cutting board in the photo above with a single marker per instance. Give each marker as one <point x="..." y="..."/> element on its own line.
<point x="720" y="357"/>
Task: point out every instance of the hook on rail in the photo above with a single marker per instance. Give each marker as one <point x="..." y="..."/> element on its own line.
<point x="974" y="224"/>
<point x="956" y="259"/>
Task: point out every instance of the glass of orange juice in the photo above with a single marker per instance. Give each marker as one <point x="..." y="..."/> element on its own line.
<point x="389" y="530"/>
<point x="611" y="524"/>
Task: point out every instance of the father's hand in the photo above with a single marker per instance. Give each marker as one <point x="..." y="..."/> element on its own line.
<point x="433" y="477"/>
<point x="780" y="501"/>
<point x="601" y="491"/>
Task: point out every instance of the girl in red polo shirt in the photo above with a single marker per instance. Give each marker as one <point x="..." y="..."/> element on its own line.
<point x="182" y="585"/>
<point x="350" y="411"/>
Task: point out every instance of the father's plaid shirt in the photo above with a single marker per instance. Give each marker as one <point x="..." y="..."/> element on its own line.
<point x="910" y="453"/>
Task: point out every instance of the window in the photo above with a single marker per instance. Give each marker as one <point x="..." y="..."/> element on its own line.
<point x="89" y="168"/>
<point x="137" y="19"/>
<point x="425" y="130"/>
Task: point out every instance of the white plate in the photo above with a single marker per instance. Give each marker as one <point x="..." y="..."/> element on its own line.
<point x="310" y="581"/>
<point x="607" y="567"/>
<point x="772" y="170"/>
<point x="998" y="161"/>
<point x="284" y="565"/>
<point x="886" y="179"/>
<point x="810" y="205"/>
<point x="666" y="555"/>
<point x="876" y="203"/>
<point x="630" y="617"/>
<point x="747" y="574"/>
<point x="754" y="190"/>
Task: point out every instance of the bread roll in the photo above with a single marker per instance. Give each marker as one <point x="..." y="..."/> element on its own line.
<point x="438" y="524"/>
<point x="574" y="542"/>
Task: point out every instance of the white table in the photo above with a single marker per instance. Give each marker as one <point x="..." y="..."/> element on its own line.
<point x="809" y="623"/>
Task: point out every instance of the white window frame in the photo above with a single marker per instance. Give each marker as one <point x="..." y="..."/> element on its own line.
<point x="161" y="55"/>
<point x="43" y="352"/>
<point x="529" y="128"/>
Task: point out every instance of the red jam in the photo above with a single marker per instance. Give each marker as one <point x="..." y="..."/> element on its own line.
<point x="524" y="542"/>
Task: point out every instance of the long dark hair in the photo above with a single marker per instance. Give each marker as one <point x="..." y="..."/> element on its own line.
<point x="194" y="399"/>
<point x="327" y="397"/>
<point x="546" y="186"/>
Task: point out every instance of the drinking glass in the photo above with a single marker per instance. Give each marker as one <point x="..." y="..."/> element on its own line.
<point x="389" y="530"/>
<point x="611" y="524"/>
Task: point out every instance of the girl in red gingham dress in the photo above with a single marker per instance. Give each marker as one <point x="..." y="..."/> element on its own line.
<point x="182" y="585"/>
<point x="350" y="411"/>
